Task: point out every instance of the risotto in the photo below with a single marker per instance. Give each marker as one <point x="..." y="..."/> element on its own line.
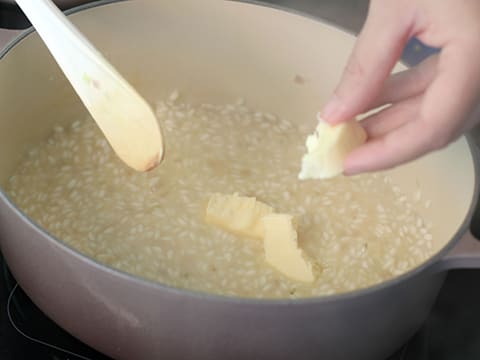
<point x="359" y="230"/>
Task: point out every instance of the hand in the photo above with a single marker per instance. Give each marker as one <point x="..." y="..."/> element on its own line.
<point x="431" y="104"/>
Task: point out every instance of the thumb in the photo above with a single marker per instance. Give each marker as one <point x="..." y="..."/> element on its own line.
<point x="377" y="49"/>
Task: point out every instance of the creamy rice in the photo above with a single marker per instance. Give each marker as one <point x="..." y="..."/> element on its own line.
<point x="360" y="230"/>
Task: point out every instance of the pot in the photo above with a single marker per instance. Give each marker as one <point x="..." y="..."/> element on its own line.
<point x="60" y="3"/>
<point x="11" y="17"/>
<point x="214" y="51"/>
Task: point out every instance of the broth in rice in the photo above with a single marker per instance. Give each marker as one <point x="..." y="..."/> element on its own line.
<point x="359" y="230"/>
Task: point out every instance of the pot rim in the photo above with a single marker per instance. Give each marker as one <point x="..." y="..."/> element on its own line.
<point x="201" y="295"/>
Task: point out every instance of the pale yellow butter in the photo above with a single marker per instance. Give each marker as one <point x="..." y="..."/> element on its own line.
<point x="238" y="214"/>
<point x="281" y="248"/>
<point x="328" y="147"/>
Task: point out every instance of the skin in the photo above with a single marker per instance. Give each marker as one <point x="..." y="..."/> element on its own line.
<point x="429" y="105"/>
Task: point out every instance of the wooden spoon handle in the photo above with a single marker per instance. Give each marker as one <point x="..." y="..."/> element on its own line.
<point x="125" y="118"/>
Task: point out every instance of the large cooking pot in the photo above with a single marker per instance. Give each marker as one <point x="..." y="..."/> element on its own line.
<point x="59" y="3"/>
<point x="12" y="17"/>
<point x="215" y="51"/>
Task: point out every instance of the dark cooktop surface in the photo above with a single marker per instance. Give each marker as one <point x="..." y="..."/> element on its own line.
<point x="451" y="332"/>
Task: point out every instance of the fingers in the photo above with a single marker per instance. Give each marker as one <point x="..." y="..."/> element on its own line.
<point x="445" y="107"/>
<point x="391" y="118"/>
<point x="376" y="51"/>
<point x="408" y="83"/>
<point x="393" y="148"/>
<point x="454" y="94"/>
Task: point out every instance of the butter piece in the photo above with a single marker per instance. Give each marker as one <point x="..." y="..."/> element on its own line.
<point x="328" y="147"/>
<point x="238" y="214"/>
<point x="281" y="248"/>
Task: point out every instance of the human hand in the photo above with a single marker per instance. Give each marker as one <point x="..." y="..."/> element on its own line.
<point x="431" y="104"/>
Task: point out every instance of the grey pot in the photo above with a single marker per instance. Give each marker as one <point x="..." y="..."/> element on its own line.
<point x="130" y="318"/>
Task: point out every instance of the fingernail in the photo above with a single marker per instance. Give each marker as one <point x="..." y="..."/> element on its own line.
<point x="332" y="110"/>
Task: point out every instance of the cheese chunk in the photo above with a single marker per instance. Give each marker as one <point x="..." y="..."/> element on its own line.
<point x="281" y="248"/>
<point x="328" y="147"/>
<point x="238" y="214"/>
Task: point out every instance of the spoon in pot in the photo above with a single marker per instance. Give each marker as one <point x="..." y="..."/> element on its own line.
<point x="125" y="118"/>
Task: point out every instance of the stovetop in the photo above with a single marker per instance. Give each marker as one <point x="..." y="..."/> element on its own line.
<point x="451" y="332"/>
<point x="26" y="333"/>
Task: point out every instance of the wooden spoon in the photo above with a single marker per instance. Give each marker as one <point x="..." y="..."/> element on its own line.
<point x="125" y="118"/>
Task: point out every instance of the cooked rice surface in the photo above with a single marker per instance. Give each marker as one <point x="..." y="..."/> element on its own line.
<point x="359" y="230"/>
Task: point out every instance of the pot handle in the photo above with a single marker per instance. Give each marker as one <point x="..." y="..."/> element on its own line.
<point x="464" y="255"/>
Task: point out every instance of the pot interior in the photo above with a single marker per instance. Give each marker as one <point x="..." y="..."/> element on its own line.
<point x="215" y="52"/>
